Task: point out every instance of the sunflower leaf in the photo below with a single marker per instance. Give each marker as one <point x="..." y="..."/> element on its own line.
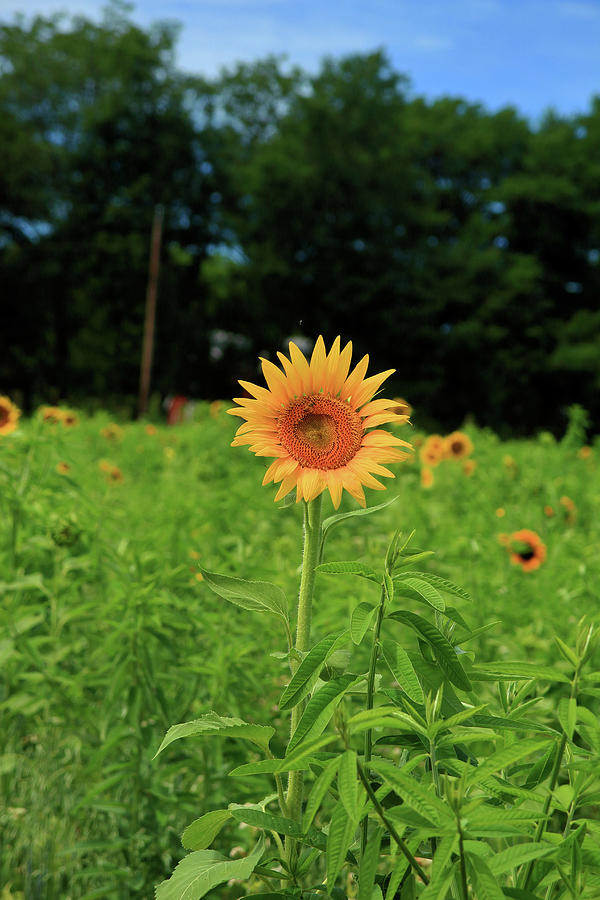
<point x="307" y="672"/>
<point x="212" y="724"/>
<point x="259" y="596"/>
<point x="443" y="585"/>
<point x="332" y="521"/>
<point x="348" y="568"/>
<point x="422" y="587"/>
<point x="362" y="616"/>
<point x="203" y="870"/>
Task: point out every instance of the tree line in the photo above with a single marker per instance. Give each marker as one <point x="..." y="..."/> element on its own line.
<point x="457" y="245"/>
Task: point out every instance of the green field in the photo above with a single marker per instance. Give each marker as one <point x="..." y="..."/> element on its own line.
<point x="108" y="634"/>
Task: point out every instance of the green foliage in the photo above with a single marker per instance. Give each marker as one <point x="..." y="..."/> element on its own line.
<point x="487" y="756"/>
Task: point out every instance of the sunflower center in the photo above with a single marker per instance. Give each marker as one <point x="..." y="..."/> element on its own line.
<point x="456" y="447"/>
<point x="4" y="416"/>
<point x="320" y="431"/>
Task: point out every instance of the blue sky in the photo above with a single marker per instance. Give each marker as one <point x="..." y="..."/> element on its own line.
<point x="531" y="54"/>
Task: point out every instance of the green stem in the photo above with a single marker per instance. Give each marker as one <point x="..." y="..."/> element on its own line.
<point x="402" y="846"/>
<point x="368" y="745"/>
<point x="541" y="827"/>
<point x="463" y="870"/>
<point x="310" y="559"/>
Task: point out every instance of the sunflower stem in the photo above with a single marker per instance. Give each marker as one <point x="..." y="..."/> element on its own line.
<point x="368" y="743"/>
<point x="310" y="559"/>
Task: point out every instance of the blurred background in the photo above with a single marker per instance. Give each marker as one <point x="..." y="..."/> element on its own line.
<point x="423" y="179"/>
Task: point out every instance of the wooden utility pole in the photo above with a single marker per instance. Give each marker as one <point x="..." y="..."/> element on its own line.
<point x="150" y="318"/>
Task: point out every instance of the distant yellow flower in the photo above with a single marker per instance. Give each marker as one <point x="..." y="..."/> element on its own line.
<point x="569" y="507"/>
<point x="402" y="407"/>
<point x="548" y="511"/>
<point x="150" y="429"/>
<point x="469" y="467"/>
<point x="457" y="445"/>
<point x="193" y="554"/>
<point x="316" y="419"/>
<point x="115" y="474"/>
<point x="62" y="468"/>
<point x="9" y="415"/>
<point x="170" y="452"/>
<point x="432" y="451"/>
<point x="112" y="432"/>
<point x="508" y="462"/>
<point x="104" y="465"/>
<point x="584" y="453"/>
<point x="526" y="549"/>
<point x="427" y="478"/>
<point x="500" y="512"/>
<point x="69" y="418"/>
<point x="215" y="408"/>
<point x="51" y="415"/>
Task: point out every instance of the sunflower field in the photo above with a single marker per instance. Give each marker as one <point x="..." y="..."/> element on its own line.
<point x="444" y="703"/>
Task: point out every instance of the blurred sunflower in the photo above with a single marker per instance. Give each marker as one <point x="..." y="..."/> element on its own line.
<point x="432" y="451"/>
<point x="548" y="511"/>
<point x="402" y="407"/>
<point x="584" y="452"/>
<point x="526" y="549"/>
<point x="469" y="467"/>
<point x="112" y="432"/>
<point x="150" y="429"/>
<point x="215" y="408"/>
<point x="569" y="507"/>
<point x="9" y="415"/>
<point x="427" y="477"/>
<point x="69" y="418"/>
<point x="51" y="415"/>
<point x="457" y="445"/>
<point x="314" y="418"/>
<point x="62" y="468"/>
<point x="500" y="512"/>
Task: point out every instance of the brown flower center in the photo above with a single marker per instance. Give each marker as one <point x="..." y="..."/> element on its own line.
<point x="4" y="415"/>
<point x="320" y="431"/>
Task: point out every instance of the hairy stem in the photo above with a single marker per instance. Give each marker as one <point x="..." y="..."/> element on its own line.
<point x="310" y="559"/>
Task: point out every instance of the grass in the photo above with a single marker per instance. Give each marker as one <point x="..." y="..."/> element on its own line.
<point x="108" y="636"/>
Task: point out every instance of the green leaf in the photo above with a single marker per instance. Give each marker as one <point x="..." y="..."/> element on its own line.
<point x="341" y="834"/>
<point x="566" y="651"/>
<point x="542" y="768"/>
<point x="383" y="717"/>
<point x="348" y="568"/>
<point x="484" y="882"/>
<point x="267" y="821"/>
<point x="321" y="707"/>
<point x="269" y="766"/>
<point x="567" y="715"/>
<point x="418" y="797"/>
<point x="308" y="671"/>
<point x="399" y="664"/>
<point x="260" y="596"/>
<point x="409" y="585"/>
<point x="203" y="870"/>
<point x="400" y="868"/>
<point x="202" y="832"/>
<point x="362" y="616"/>
<point x="212" y="724"/>
<point x="475" y="632"/>
<point x="503" y="758"/>
<point x="455" y="720"/>
<point x="348" y="783"/>
<point x="332" y="521"/>
<point x="438" y="887"/>
<point x="510" y="670"/>
<point x="443" y="650"/>
<point x="516" y="855"/>
<point x="318" y="792"/>
<point x="368" y="865"/>
<point x="443" y="585"/>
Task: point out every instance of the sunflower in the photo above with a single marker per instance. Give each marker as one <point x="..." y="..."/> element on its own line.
<point x="315" y="419"/>
<point x="457" y="445"/>
<point x="526" y="549"/>
<point x="112" y="432"/>
<point x="432" y="451"/>
<point x="51" y="415"/>
<point x="401" y="407"/>
<point x="469" y="467"/>
<point x="569" y="507"/>
<point x="69" y="418"/>
<point x="427" y="477"/>
<point x="585" y="452"/>
<point x="63" y="468"/>
<point x="9" y="415"/>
